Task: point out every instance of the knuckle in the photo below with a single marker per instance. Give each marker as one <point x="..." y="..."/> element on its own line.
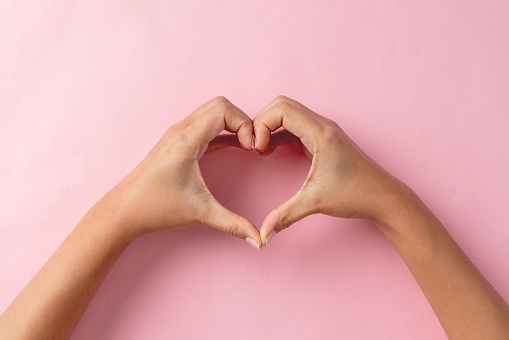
<point x="282" y="101"/>
<point x="257" y="123"/>
<point x="181" y="136"/>
<point x="172" y="145"/>
<point x="330" y="132"/>
<point x="285" y="223"/>
<point x="217" y="107"/>
<point x="281" y="98"/>
<point x="234" y="231"/>
<point x="284" y="105"/>
<point x="221" y="104"/>
<point x="333" y="124"/>
<point x="221" y="100"/>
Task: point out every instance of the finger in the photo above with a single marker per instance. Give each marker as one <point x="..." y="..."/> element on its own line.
<point x="282" y="112"/>
<point x="222" y="142"/>
<point x="293" y="210"/>
<point x="220" y="218"/>
<point x="222" y="116"/>
<point x="282" y="138"/>
<point x="282" y="98"/>
<point x="200" y="110"/>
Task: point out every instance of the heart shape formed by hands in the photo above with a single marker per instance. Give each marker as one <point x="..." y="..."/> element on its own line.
<point x="276" y="139"/>
<point x="342" y="180"/>
<point x="167" y="190"/>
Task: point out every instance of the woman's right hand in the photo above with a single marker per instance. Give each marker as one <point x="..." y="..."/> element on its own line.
<point x="167" y="190"/>
<point x="342" y="181"/>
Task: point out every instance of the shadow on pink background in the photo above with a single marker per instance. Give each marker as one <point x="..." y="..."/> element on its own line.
<point x="88" y="87"/>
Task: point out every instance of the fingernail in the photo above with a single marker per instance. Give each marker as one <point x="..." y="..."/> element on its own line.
<point x="253" y="243"/>
<point x="270" y="237"/>
<point x="253" y="142"/>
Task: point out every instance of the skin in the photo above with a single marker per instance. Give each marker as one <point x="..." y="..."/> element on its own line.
<point x="167" y="191"/>
<point x="344" y="182"/>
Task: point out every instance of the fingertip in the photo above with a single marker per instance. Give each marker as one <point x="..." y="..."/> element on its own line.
<point x="262" y="138"/>
<point x="253" y="243"/>
<point x="245" y="136"/>
<point x="253" y="234"/>
<point x="270" y="237"/>
<point x="248" y="231"/>
<point x="221" y="218"/>
<point x="268" y="226"/>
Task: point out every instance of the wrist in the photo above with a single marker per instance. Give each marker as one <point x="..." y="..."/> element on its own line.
<point x="110" y="216"/>
<point x="398" y="204"/>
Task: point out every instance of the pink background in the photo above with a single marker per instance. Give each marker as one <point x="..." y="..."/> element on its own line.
<point x="88" y="87"/>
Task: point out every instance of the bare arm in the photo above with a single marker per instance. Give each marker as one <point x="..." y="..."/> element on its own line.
<point x="165" y="191"/>
<point x="467" y="306"/>
<point x="344" y="182"/>
<point x="52" y="303"/>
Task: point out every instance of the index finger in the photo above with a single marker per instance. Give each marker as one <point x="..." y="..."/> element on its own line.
<point x="287" y="113"/>
<point x="222" y="115"/>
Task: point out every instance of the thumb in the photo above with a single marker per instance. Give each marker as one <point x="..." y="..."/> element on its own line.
<point x="220" y="218"/>
<point x="293" y="210"/>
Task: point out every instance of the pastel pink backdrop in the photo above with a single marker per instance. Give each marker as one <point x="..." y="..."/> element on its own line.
<point x="88" y="87"/>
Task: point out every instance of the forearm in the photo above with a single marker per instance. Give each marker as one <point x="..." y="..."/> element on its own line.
<point x="52" y="303"/>
<point x="467" y="306"/>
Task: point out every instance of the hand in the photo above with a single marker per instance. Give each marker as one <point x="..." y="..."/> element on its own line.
<point x="166" y="190"/>
<point x="342" y="181"/>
